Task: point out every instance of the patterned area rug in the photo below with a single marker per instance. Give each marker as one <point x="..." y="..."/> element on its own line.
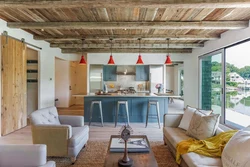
<point x="94" y="156"/>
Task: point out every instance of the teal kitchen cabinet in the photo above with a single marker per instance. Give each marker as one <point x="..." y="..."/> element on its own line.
<point x="137" y="107"/>
<point x="142" y="73"/>
<point x="109" y="73"/>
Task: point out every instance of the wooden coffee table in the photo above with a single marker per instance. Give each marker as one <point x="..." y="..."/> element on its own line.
<point x="140" y="159"/>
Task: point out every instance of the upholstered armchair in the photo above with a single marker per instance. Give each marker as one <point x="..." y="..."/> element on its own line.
<point x="24" y="156"/>
<point x="64" y="136"/>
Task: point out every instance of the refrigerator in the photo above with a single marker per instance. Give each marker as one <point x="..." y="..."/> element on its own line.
<point x="156" y="76"/>
<point x="95" y="78"/>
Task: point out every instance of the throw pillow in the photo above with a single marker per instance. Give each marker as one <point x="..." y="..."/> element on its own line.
<point x="188" y="114"/>
<point x="236" y="151"/>
<point x="202" y="126"/>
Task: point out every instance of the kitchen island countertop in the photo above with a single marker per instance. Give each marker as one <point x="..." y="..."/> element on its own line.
<point x="127" y="95"/>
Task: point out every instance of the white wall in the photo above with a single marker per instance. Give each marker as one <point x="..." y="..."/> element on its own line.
<point x="191" y="83"/>
<point x="131" y="58"/>
<point x="47" y="64"/>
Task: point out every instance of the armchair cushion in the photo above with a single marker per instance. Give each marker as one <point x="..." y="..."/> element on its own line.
<point x="74" y="121"/>
<point x="45" y="116"/>
<point x="23" y="155"/>
<point x="78" y="133"/>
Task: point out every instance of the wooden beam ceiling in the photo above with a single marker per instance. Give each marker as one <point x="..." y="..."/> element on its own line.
<point x="132" y="46"/>
<point x="229" y="25"/>
<point x="125" y="3"/>
<point x="186" y="23"/>
<point x="128" y="37"/>
<point x="122" y="50"/>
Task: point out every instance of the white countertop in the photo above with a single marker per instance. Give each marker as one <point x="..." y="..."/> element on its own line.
<point x="128" y="95"/>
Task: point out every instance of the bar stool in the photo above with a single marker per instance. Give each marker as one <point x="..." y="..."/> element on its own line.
<point x="156" y="104"/>
<point x="125" y="103"/>
<point x="91" y="110"/>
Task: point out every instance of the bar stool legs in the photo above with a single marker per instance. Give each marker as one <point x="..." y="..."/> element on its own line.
<point x="91" y="111"/>
<point x="147" y="115"/>
<point x="158" y="114"/>
<point x="156" y="103"/>
<point x="118" y="109"/>
<point x="100" y="108"/>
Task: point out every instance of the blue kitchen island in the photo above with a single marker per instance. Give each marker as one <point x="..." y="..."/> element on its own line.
<point x="137" y="106"/>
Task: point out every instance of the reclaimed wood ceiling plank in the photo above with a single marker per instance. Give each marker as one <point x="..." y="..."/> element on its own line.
<point x="125" y="50"/>
<point x="125" y="3"/>
<point x="131" y="25"/>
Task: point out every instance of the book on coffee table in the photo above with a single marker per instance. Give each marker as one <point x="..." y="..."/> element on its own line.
<point x="135" y="145"/>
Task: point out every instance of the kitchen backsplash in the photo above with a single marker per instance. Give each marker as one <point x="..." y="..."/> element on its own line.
<point x="125" y="81"/>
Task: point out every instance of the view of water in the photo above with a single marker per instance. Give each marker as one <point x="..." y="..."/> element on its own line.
<point x="240" y="102"/>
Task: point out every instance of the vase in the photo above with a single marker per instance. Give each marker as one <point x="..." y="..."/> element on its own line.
<point x="159" y="90"/>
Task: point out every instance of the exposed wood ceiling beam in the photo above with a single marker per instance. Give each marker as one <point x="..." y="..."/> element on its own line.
<point x="125" y="3"/>
<point x="128" y="37"/>
<point x="131" y="25"/>
<point x="91" y="50"/>
<point x="133" y="46"/>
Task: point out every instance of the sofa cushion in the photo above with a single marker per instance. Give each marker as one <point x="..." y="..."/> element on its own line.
<point x="202" y="126"/>
<point x="236" y="151"/>
<point x="78" y="133"/>
<point x="197" y="160"/>
<point x="188" y="114"/>
<point x="175" y="135"/>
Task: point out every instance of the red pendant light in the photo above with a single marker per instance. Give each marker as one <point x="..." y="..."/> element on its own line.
<point x="139" y="61"/>
<point x="111" y="60"/>
<point x="168" y="59"/>
<point x="82" y="61"/>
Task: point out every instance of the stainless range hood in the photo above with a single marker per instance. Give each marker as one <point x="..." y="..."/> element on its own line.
<point x="126" y="70"/>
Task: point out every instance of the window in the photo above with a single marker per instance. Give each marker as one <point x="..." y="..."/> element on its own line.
<point x="237" y="107"/>
<point x="225" y="84"/>
<point x="210" y="88"/>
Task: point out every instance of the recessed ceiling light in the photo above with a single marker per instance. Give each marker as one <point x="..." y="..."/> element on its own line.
<point x="42" y="29"/>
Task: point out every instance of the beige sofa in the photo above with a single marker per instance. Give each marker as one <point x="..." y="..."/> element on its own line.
<point x="63" y="135"/>
<point x="173" y="135"/>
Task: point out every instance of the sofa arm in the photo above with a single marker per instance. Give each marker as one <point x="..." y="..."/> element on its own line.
<point x="172" y="120"/>
<point x="23" y="155"/>
<point x="54" y="136"/>
<point x="74" y="121"/>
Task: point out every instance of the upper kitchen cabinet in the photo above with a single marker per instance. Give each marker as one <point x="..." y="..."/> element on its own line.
<point x="109" y="73"/>
<point x="142" y="73"/>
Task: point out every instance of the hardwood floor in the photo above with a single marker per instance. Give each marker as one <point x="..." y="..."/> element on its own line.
<point x="97" y="133"/>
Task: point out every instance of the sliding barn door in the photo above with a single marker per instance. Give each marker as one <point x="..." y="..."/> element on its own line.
<point x="14" y="85"/>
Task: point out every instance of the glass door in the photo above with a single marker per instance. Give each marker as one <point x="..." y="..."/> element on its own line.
<point x="237" y="106"/>
<point x="211" y="82"/>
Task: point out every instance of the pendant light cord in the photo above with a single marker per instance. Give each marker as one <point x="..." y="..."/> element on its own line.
<point x="168" y="46"/>
<point x="82" y="45"/>
<point x="139" y="46"/>
<point x="111" y="45"/>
